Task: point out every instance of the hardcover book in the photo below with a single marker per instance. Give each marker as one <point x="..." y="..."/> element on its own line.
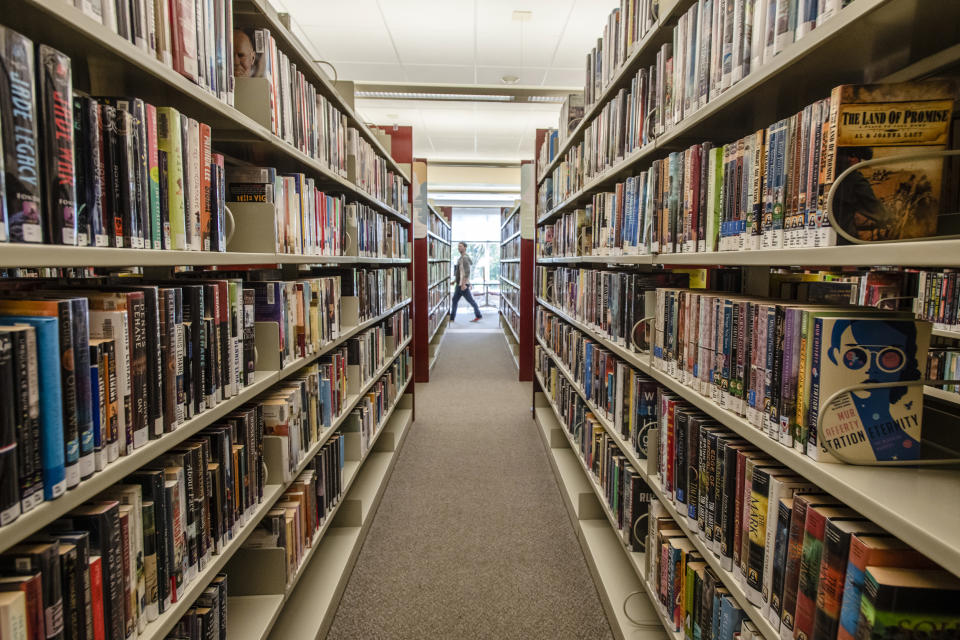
<point x="898" y="199"/>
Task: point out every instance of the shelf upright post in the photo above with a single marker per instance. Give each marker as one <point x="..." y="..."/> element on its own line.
<point x="528" y="224"/>
<point x="421" y="272"/>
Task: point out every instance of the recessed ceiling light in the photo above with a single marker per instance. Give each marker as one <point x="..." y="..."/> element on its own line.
<point x="522" y="16"/>
<point x="509" y="79"/>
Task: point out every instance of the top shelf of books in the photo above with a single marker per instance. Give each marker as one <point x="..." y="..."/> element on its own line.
<point x="863" y="42"/>
<point x="106" y="63"/>
<point x="258" y="13"/>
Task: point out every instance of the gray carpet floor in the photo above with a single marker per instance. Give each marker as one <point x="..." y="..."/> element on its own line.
<point x="471" y="539"/>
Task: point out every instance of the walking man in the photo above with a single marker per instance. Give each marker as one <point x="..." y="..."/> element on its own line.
<point x="462" y="279"/>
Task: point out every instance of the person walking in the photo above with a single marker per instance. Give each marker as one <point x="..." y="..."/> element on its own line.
<point x="462" y="288"/>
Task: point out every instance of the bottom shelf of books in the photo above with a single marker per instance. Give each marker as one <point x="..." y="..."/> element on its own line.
<point x="620" y="584"/>
<point x="513" y="345"/>
<point x="304" y="581"/>
<point x="436" y="340"/>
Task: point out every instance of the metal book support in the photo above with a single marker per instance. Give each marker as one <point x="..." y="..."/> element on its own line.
<point x="828" y="205"/>
<point x="882" y="463"/>
<point x="656" y="625"/>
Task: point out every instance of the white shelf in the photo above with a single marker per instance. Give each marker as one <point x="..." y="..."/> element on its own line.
<point x="509" y="238"/>
<point x="510" y="328"/>
<point x="642" y="259"/>
<point x="947" y="333"/>
<point x="888" y="496"/>
<point x="438" y="238"/>
<point x="510" y="282"/>
<point x="52" y="255"/>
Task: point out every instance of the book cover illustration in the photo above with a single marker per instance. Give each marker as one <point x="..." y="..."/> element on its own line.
<point x="868" y="424"/>
<point x="897" y="199"/>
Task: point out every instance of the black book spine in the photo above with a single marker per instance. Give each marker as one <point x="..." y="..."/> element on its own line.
<point x="18" y="127"/>
<point x="151" y="299"/>
<point x="150" y="565"/>
<point x="72" y="604"/>
<point x="102" y="172"/>
<point x="126" y="145"/>
<point x="80" y="327"/>
<point x="9" y="476"/>
<point x="81" y="585"/>
<point x="112" y="163"/>
<point x="111" y="431"/>
<point x="151" y="482"/>
<point x="249" y="345"/>
<point x="142" y="167"/>
<point x="56" y="90"/>
<point x="68" y="379"/>
<point x="82" y="167"/>
<point x="98" y="391"/>
<point x="164" y="198"/>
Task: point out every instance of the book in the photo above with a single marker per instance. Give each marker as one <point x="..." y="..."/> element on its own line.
<point x="56" y="91"/>
<point x="871" y="424"/>
<point x="869" y="122"/>
<point x="30" y="586"/>
<point x="50" y="394"/>
<point x="31" y="558"/>
<point x="13" y="616"/>
<point x="18" y="126"/>
<point x="897" y="601"/>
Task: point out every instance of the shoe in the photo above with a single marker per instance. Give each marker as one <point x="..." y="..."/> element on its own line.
<point x="476" y="320"/>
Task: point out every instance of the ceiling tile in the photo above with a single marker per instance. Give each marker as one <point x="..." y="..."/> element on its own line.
<point x="369" y="72"/>
<point x="433" y="73"/>
<point x="528" y="76"/>
<point x="341" y="46"/>
<point x="572" y="78"/>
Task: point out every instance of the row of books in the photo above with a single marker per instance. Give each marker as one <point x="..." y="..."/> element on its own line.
<point x="808" y="563"/>
<point x="813" y="567"/>
<point x="549" y="147"/>
<point x="106" y="172"/>
<point x="512" y="226"/>
<point x="624" y="490"/>
<point x="768" y="190"/>
<point x="511" y="316"/>
<point x="92" y="374"/>
<point x="690" y="594"/>
<point x="294" y="522"/>
<point x="510" y="250"/>
<point x="511" y="294"/>
<point x="511" y="271"/>
<point x="436" y="294"/>
<point x="299" y="114"/>
<point x="439" y="225"/>
<point x="310" y="221"/>
<point x="438" y="314"/>
<point x="304" y="118"/>
<point x="377" y="290"/>
<point x="626" y="26"/>
<point x="207" y="619"/>
<point x="437" y="249"/>
<point x="616" y="391"/>
<point x="121" y="560"/>
<point x="370" y="171"/>
<point x="307" y="313"/>
<point x="369" y="414"/>
<point x="437" y="271"/>
<point x="369" y="351"/>
<point x="190" y="36"/>
<point x="612" y="303"/>
<point x="778" y="363"/>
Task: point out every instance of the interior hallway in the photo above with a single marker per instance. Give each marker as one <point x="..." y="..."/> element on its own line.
<point x="472" y="528"/>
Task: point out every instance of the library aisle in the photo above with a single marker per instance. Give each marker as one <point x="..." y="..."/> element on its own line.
<point x="471" y="538"/>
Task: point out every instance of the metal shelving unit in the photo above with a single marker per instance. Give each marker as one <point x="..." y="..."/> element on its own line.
<point x="895" y="40"/>
<point x="108" y="64"/>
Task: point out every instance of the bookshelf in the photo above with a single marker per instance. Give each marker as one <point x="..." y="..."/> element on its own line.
<point x="509" y="278"/>
<point x="439" y="252"/>
<point x="106" y="64"/>
<point x="801" y="72"/>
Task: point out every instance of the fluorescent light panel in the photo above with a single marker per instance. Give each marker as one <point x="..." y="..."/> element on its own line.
<point x="409" y="95"/>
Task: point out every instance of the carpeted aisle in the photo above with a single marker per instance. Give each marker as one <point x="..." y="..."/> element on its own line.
<point x="471" y="539"/>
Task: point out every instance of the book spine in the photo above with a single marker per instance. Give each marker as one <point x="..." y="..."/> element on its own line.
<point x="56" y="90"/>
<point x="169" y="141"/>
<point x="96" y="597"/>
<point x="24" y="191"/>
<point x="153" y="175"/>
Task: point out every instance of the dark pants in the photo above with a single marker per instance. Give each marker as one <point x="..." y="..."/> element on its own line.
<point x="465" y="294"/>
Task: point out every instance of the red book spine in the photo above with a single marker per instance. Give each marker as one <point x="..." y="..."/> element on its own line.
<point x="96" y="594"/>
<point x="809" y="574"/>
